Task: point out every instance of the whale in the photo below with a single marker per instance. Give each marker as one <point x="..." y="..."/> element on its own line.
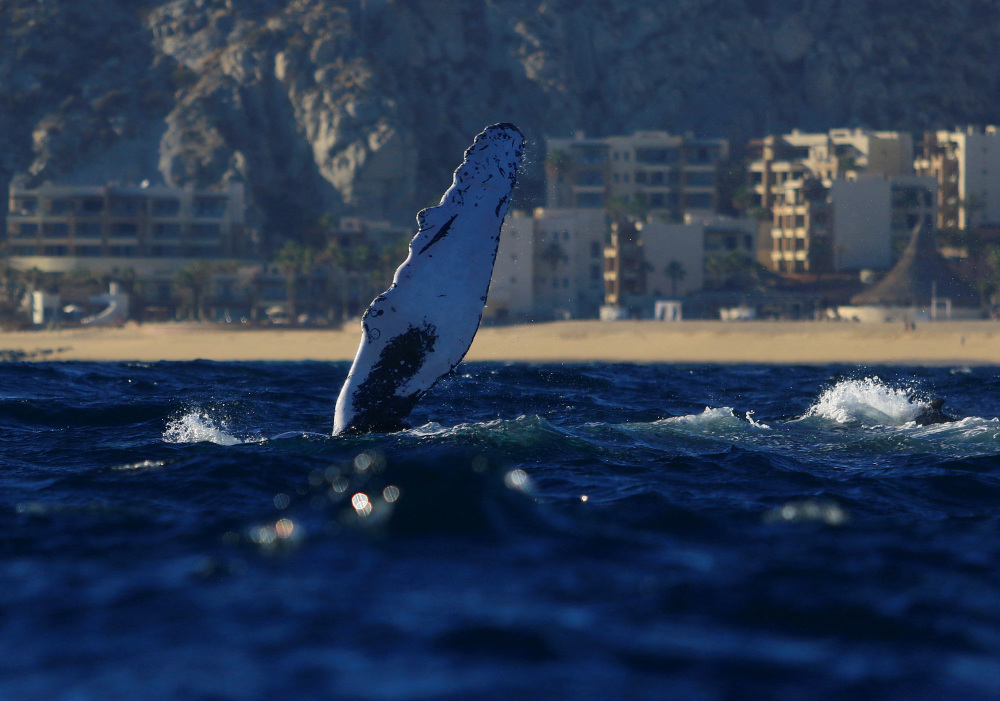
<point x="419" y="329"/>
<point x="933" y="413"/>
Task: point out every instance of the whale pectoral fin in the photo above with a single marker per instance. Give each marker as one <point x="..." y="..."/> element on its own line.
<point x="438" y="235"/>
<point x="411" y="337"/>
<point x="378" y="402"/>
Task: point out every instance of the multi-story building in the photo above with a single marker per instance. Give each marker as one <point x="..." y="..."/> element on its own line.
<point x="511" y="296"/>
<point x="57" y="228"/>
<point x="571" y="263"/>
<point x="779" y="159"/>
<point x="966" y="165"/>
<point x="624" y="264"/>
<point x="649" y="261"/>
<point x="841" y="200"/>
<point x="549" y="265"/>
<point x="665" y="175"/>
<point x="568" y="262"/>
<point x="801" y="232"/>
<point x="854" y="222"/>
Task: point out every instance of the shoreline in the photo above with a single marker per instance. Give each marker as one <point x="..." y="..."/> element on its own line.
<point x="941" y="343"/>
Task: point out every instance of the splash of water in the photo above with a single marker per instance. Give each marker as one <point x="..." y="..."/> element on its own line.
<point x="869" y="401"/>
<point x="714" y="417"/>
<point x="198" y="427"/>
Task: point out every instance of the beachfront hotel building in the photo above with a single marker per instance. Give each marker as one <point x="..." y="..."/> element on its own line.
<point x="837" y="201"/>
<point x="668" y="176"/>
<point x="549" y="265"/>
<point x="653" y="260"/>
<point x="861" y="221"/>
<point x="58" y="228"/>
<point x="966" y="165"/>
<point x="577" y="263"/>
<point x="780" y="159"/>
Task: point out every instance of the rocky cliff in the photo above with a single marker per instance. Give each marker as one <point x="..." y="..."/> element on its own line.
<point x="364" y="105"/>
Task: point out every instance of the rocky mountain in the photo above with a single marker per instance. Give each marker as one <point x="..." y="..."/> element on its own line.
<point x="363" y="106"/>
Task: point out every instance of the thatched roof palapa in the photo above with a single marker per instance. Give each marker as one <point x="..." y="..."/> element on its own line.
<point x="920" y="272"/>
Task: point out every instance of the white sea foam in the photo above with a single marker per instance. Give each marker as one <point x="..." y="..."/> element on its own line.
<point x="713" y="417"/>
<point x="868" y="401"/>
<point x="197" y="426"/>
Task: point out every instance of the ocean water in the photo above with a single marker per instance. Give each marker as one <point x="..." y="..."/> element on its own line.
<point x="191" y="531"/>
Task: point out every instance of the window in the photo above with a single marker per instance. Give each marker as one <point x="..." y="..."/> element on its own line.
<point x="595" y="249"/>
<point x="25" y="205"/>
<point x="700" y="178"/>
<point x="165" y="251"/>
<point x="206" y="249"/>
<point x="653" y="155"/>
<point x="88" y="230"/>
<point x="55" y="250"/>
<point x="91" y="205"/>
<point x="166" y="230"/>
<point x="55" y="230"/>
<point x="166" y="208"/>
<point x="701" y="155"/>
<point x="60" y="206"/>
<point x="26" y="230"/>
<point x="205" y="231"/>
<point x="699" y="200"/>
<point x="89" y="251"/>
<point x="124" y="229"/>
<point x="590" y="199"/>
<point x="125" y="207"/>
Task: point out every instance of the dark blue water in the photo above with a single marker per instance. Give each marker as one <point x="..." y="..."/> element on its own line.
<point x="189" y="531"/>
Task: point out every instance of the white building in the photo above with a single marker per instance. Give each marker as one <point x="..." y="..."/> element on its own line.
<point x="666" y="244"/>
<point x="569" y="262"/>
<point x="549" y="265"/>
<point x="511" y="296"/>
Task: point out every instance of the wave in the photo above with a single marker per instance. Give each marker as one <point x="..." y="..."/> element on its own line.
<point x="196" y="426"/>
<point x="868" y="401"/>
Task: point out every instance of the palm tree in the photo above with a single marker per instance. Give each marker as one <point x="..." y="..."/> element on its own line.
<point x="293" y="261"/>
<point x="618" y="208"/>
<point x="676" y="272"/>
<point x="553" y="254"/>
<point x="34" y="278"/>
<point x="196" y="278"/>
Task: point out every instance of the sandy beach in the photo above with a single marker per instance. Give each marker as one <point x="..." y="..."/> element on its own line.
<point x="807" y="343"/>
